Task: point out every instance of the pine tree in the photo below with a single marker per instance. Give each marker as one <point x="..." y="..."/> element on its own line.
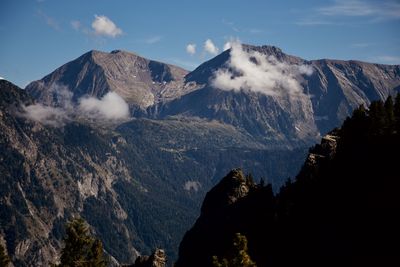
<point x="81" y="249"/>
<point x="389" y="114"/>
<point x="396" y="111"/>
<point x="96" y="255"/>
<point x="4" y="259"/>
<point x="377" y="117"/>
<point x="239" y="256"/>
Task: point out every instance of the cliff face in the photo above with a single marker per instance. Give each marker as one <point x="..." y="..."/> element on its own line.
<point x="339" y="210"/>
<point x="48" y="176"/>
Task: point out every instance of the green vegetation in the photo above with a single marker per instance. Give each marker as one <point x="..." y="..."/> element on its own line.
<point x="238" y="257"/>
<point x="80" y="248"/>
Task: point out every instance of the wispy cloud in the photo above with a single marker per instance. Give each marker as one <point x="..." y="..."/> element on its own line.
<point x="348" y="8"/>
<point x="153" y="39"/>
<point x="387" y="59"/>
<point x="315" y="22"/>
<point x="50" y="21"/>
<point x="191" y="49"/>
<point x="76" y="25"/>
<point x="190" y="65"/>
<point x="235" y="28"/>
<point x="231" y="25"/>
<point x="52" y="116"/>
<point x="356" y="8"/>
<point x="110" y="107"/>
<point x="210" y="47"/>
<point x="361" y="45"/>
<point x="103" y="26"/>
<point x="370" y="11"/>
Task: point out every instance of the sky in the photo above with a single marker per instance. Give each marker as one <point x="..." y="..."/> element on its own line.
<point x="38" y="36"/>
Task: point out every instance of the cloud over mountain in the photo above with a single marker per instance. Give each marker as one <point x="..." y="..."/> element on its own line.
<point x="251" y="70"/>
<point x="111" y="107"/>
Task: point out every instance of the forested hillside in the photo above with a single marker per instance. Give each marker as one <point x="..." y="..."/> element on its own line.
<point x="340" y="210"/>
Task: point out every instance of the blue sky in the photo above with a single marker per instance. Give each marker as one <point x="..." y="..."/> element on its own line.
<point x="37" y="36"/>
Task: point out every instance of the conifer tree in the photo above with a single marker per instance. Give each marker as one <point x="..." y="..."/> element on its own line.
<point x="377" y="117"/>
<point x="96" y="255"/>
<point x="239" y="256"/>
<point x="81" y="249"/>
<point x="389" y="113"/>
<point x="4" y="259"/>
<point x="396" y="111"/>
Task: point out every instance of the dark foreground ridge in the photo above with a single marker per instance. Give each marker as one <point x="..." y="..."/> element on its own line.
<point x="340" y="210"/>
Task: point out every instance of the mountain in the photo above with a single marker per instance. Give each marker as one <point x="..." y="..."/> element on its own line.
<point x="141" y="82"/>
<point x="332" y="88"/>
<point x="281" y="100"/>
<point x="340" y="210"/>
<point x="138" y="183"/>
<point x="144" y="176"/>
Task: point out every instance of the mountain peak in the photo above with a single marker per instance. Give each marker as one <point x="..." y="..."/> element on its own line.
<point x="139" y="81"/>
<point x="270" y="48"/>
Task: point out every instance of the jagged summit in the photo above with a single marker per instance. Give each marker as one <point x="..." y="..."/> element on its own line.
<point x="233" y="186"/>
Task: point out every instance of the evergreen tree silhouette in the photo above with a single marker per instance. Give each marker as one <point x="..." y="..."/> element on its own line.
<point x="4" y="259"/>
<point x="396" y="111"/>
<point x="389" y="114"/>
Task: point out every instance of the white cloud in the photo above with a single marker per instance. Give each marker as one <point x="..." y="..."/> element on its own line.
<point x="111" y="106"/>
<point x="191" y="49"/>
<point x="210" y="47"/>
<point x="251" y="70"/>
<point x="105" y="27"/>
<point x="227" y="46"/>
<point x="46" y="115"/>
<point x="1" y="78"/>
<point x="50" y="21"/>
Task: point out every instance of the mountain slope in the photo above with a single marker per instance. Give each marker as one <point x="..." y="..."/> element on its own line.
<point x="341" y="210"/>
<point x="332" y="90"/>
<point x="141" y="82"/>
<point x="189" y="129"/>
<point x="137" y="184"/>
